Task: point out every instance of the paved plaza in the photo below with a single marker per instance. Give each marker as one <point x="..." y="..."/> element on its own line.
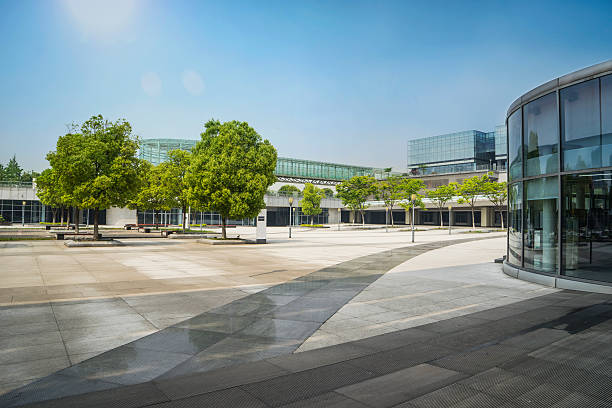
<point x="328" y="318"/>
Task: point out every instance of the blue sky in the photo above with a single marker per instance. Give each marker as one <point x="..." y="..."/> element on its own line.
<point x="342" y="81"/>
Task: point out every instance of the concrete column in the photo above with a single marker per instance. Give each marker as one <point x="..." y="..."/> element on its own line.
<point x="334" y="216"/>
<point x="486" y="219"/>
<point x="352" y="216"/>
<point x="549" y="221"/>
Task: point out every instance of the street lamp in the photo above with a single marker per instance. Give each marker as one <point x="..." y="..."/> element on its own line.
<point x="23" y="203"/>
<point x="290" y="212"/>
<point x="386" y="219"/>
<point x="339" y="217"/>
<point x="413" y="198"/>
<point x="450" y="207"/>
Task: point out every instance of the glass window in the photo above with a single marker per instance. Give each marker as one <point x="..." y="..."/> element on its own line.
<point x="587" y="226"/>
<point x="515" y="221"/>
<point x="541" y="136"/>
<point x="540" y="224"/>
<point x="580" y="128"/>
<point x="515" y="154"/>
<point x="606" y="120"/>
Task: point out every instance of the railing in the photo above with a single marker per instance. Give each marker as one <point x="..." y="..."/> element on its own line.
<point x="18" y="184"/>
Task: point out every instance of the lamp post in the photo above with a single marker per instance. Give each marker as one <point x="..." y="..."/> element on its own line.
<point x="386" y="219"/>
<point x="339" y="217"/>
<point x="290" y="212"/>
<point x="23" y="203"/>
<point x="413" y="198"/>
<point x="450" y="207"/>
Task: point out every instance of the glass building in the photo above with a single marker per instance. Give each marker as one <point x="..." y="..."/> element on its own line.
<point x="156" y="151"/>
<point x="452" y="153"/>
<point x="560" y="182"/>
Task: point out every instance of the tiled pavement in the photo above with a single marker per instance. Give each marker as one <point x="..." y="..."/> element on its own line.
<point x="551" y="351"/>
<point x="272" y="322"/>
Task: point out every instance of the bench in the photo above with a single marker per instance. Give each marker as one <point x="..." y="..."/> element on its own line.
<point x="60" y="236"/>
<point x="144" y="229"/>
<point x="166" y="234"/>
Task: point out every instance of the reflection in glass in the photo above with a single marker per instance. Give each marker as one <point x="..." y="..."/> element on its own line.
<point x="541" y="136"/>
<point x="515" y="218"/>
<point x="580" y="128"/>
<point x="515" y="146"/>
<point x="540" y="224"/>
<point x="606" y="120"/>
<point x="587" y="226"/>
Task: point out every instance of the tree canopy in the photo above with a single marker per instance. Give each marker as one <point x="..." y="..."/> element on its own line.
<point x="289" y="189"/>
<point x="173" y="173"/>
<point x="442" y="195"/>
<point x="355" y="192"/>
<point x="96" y="166"/>
<point x="497" y="194"/>
<point x="392" y="190"/>
<point x="470" y="189"/>
<point x="231" y="170"/>
<point x="311" y="203"/>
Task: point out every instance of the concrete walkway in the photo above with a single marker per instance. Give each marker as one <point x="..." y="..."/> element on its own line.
<point x="272" y="322"/>
<point x="551" y="351"/>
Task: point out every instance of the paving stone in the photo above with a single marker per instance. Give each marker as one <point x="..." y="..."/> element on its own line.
<point x="404" y="385"/>
<point x="328" y="400"/>
<point x="280" y="328"/>
<point x="317" y="358"/>
<point x="217" y="323"/>
<point x="475" y="361"/>
<point x="306" y="384"/>
<point x="178" y="340"/>
<point x="230" y="398"/>
<point x="444" y="397"/>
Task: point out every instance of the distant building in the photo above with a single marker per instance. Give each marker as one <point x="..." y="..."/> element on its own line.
<point x="470" y="150"/>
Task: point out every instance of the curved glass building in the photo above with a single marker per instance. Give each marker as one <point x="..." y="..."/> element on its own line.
<point x="560" y="182"/>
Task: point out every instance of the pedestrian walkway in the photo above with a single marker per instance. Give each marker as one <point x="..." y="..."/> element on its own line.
<point x="550" y="351"/>
<point x="272" y="322"/>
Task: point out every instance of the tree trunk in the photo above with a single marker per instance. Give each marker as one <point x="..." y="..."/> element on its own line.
<point x="501" y="215"/>
<point x="362" y="218"/>
<point x="441" y="219"/>
<point x="391" y="215"/>
<point x="153" y="217"/>
<point x="184" y="217"/>
<point x="69" y="218"/>
<point x="312" y="220"/>
<point x="96" y="236"/>
<point x="54" y="212"/>
<point x="62" y="215"/>
<point x="223" y="232"/>
<point x="473" y="220"/>
<point x="76" y="219"/>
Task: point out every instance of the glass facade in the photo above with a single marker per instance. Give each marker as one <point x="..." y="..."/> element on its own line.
<point x="453" y="152"/>
<point x="560" y="217"/>
<point x="156" y="151"/>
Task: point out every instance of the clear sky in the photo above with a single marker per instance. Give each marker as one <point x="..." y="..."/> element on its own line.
<point x="343" y="81"/>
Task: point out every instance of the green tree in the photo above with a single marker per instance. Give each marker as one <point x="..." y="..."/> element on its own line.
<point x="1" y="172"/>
<point x="409" y="187"/>
<point x="29" y="176"/>
<point x="469" y="191"/>
<point x="311" y="203"/>
<point x="151" y="194"/>
<point x="12" y="171"/>
<point x="289" y="189"/>
<point x="97" y="168"/>
<point x="355" y="193"/>
<point x="442" y="195"/>
<point x="497" y="194"/>
<point x="173" y="179"/>
<point x="48" y="191"/>
<point x="329" y="193"/>
<point x="231" y="169"/>
<point x="390" y="191"/>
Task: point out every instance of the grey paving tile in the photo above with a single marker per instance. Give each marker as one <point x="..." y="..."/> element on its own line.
<point x="542" y="395"/>
<point x="454" y="324"/>
<point x="396" y="339"/>
<point x="280" y="328"/>
<point x="89" y="321"/>
<point x="444" y="397"/>
<point x="178" y="340"/>
<point x="40" y="328"/>
<point x="574" y="400"/>
<point x="400" y="386"/>
<point x="319" y="357"/>
<point x="482" y="359"/>
<point x="133" y="396"/>
<point x="226" y="398"/>
<point x="126" y="365"/>
<point x="217" y="323"/>
<point x="214" y="380"/>
<point x="535" y="339"/>
<point x="242" y="308"/>
<point x="306" y="384"/>
<point x="17" y="354"/>
<point x="31" y="369"/>
<point x="400" y="358"/>
<point x="328" y="400"/>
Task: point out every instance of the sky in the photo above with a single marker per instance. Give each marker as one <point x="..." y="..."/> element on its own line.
<point x="340" y="81"/>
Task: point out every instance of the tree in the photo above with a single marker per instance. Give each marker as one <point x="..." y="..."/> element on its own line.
<point x="391" y="190"/>
<point x="12" y="171"/>
<point x="355" y="192"/>
<point x="497" y="193"/>
<point x="48" y="191"/>
<point x="311" y="203"/>
<point x="470" y="189"/>
<point x="97" y="168"/>
<point x="409" y="187"/>
<point x="442" y="195"/>
<point x="329" y="193"/>
<point x="231" y="169"/>
<point x="173" y="175"/>
<point x="289" y="189"/>
<point x="151" y="194"/>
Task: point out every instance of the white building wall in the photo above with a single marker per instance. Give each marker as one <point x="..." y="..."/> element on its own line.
<point x="120" y="216"/>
